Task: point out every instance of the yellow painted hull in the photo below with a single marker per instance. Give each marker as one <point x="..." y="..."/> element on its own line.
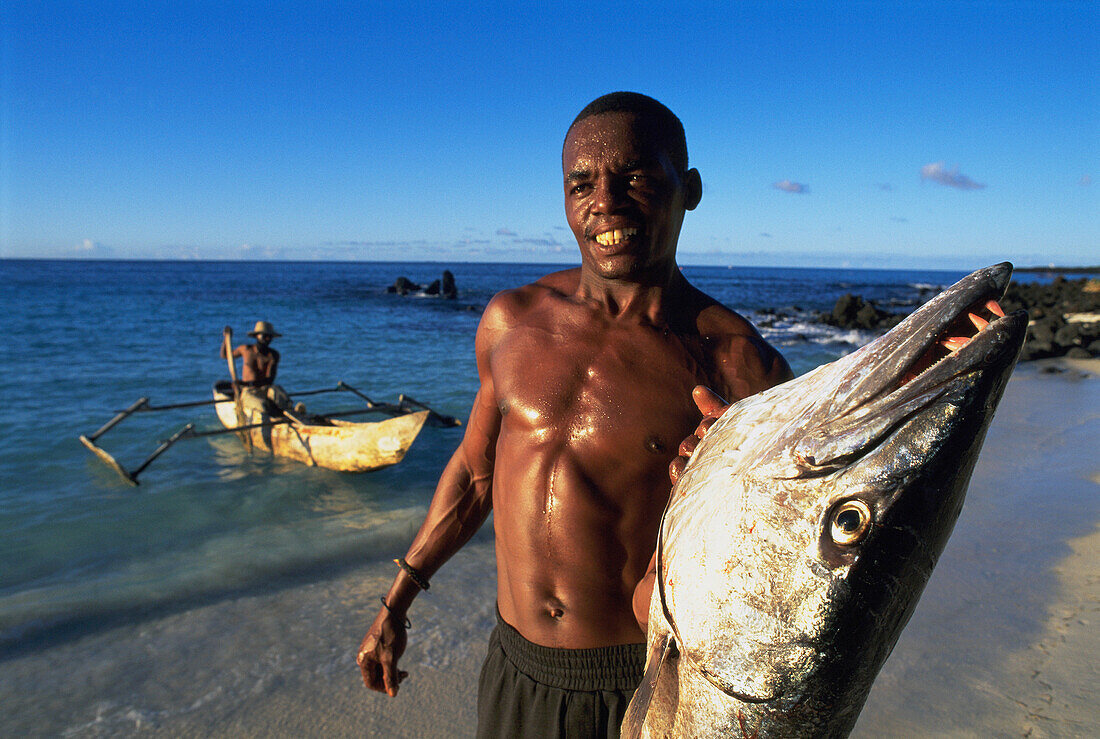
<point x="344" y="446"/>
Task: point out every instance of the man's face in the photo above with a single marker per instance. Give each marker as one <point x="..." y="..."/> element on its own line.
<point x="264" y="339"/>
<point x="624" y="199"/>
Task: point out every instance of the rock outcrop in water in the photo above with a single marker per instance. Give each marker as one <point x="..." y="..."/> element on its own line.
<point x="852" y="311"/>
<point x="444" y="288"/>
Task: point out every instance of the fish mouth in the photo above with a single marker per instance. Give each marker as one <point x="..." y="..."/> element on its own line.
<point x="960" y="332"/>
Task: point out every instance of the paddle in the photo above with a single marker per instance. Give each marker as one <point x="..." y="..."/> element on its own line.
<point x="246" y="436"/>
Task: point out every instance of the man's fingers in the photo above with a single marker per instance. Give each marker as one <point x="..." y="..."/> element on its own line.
<point x="390" y="678"/>
<point x="372" y="676"/>
<point x="676" y="468"/>
<point x="687" y="446"/>
<point x="704" y="426"/>
<point x="709" y="402"/>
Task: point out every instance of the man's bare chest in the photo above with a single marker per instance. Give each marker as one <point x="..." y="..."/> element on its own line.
<point x="620" y="384"/>
<point x="260" y="361"/>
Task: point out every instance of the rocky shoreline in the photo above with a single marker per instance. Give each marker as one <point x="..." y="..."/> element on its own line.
<point x="1064" y="316"/>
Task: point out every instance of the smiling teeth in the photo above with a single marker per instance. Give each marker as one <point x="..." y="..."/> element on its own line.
<point x="611" y="238"/>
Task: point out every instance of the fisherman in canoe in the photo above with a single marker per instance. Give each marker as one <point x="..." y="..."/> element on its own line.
<point x="259" y="364"/>
<point x="586" y="393"/>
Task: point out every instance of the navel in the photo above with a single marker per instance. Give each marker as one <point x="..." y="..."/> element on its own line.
<point x="654" y="444"/>
<point x="555" y="609"/>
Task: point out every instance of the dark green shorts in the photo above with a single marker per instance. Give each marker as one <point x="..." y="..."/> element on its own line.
<point x="528" y="690"/>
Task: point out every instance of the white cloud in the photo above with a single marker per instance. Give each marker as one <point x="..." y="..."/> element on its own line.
<point x="91" y="248"/>
<point x="789" y="186"/>
<point x="949" y="177"/>
<point x="259" y="251"/>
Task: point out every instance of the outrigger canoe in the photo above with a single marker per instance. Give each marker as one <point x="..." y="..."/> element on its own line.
<point x="346" y="446"/>
<point x="319" y="440"/>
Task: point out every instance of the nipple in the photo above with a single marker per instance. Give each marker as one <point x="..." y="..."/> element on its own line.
<point x="654" y="445"/>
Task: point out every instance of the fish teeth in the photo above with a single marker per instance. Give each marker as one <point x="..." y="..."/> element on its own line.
<point x="978" y="321"/>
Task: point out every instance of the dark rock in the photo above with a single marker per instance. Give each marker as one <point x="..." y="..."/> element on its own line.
<point x="403" y="286"/>
<point x="1069" y="335"/>
<point x="867" y="316"/>
<point x="852" y="311"/>
<point x="1041" y="331"/>
<point x="1078" y="353"/>
<point x="847" y="305"/>
<point x="448" y="289"/>
<point x="444" y="287"/>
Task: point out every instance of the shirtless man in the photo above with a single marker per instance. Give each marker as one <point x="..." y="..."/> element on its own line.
<point x="586" y="393"/>
<point x="259" y="364"/>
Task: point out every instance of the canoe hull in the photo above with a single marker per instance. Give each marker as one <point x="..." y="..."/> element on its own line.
<point x="344" y="446"/>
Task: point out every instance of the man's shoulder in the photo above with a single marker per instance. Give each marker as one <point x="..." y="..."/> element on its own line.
<point x="715" y="319"/>
<point x="736" y="345"/>
<point x="529" y="305"/>
<point x="514" y="304"/>
<point x="563" y="281"/>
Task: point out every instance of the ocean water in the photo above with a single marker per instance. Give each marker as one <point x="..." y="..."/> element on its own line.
<point x="82" y="550"/>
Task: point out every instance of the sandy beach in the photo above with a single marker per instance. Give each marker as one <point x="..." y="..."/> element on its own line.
<point x="1005" y="641"/>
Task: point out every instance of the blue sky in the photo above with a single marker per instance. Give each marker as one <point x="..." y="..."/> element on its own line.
<point x="939" y="135"/>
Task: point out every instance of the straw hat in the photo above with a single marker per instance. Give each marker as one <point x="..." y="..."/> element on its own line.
<point x="263" y="327"/>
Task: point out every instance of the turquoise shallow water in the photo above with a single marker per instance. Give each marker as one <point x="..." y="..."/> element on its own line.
<point x="82" y="339"/>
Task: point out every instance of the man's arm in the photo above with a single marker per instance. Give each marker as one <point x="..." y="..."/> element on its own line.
<point x="239" y="351"/>
<point x="462" y="501"/>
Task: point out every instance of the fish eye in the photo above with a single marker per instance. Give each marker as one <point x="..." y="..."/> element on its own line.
<point x="850" y="522"/>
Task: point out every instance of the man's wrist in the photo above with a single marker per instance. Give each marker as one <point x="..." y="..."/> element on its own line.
<point x="400" y="617"/>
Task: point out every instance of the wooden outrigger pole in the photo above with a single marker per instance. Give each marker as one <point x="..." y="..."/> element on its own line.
<point x="404" y="405"/>
<point x="89" y="441"/>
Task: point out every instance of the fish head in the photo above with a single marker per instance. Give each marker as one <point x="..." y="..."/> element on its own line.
<point x="802" y="531"/>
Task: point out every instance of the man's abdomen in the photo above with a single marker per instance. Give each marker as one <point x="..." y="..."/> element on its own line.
<point x="572" y="541"/>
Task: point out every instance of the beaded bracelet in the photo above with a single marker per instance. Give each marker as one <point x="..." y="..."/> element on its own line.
<point x="408" y="624"/>
<point x="420" y="580"/>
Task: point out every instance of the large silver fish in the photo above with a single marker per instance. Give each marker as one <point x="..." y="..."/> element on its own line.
<point x="799" y="537"/>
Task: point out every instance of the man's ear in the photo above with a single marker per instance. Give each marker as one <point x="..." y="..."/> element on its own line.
<point x="693" y="189"/>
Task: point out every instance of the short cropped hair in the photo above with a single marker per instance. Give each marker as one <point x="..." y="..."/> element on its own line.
<point x="655" y="118"/>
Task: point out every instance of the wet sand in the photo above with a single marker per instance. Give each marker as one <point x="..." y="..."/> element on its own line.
<point x="1005" y="641"/>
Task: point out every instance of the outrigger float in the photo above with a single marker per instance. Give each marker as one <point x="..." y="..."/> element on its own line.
<point x="317" y="440"/>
